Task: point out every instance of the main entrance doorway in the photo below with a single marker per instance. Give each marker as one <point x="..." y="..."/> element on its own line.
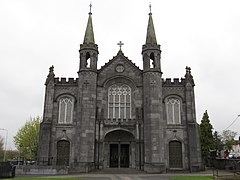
<point x="119" y="155"/>
<point x="119" y="149"/>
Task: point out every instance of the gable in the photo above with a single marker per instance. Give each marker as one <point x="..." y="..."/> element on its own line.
<point x="119" y="66"/>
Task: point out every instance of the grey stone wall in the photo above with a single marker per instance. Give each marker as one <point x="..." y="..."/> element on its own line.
<point x="148" y="125"/>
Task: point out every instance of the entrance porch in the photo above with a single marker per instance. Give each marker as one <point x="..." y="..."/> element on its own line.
<point x="119" y="150"/>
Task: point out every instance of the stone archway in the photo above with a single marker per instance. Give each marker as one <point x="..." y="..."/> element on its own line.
<point x="119" y="147"/>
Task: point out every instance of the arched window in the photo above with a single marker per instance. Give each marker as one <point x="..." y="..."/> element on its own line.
<point x="119" y="102"/>
<point x="65" y="110"/>
<point x="152" y="60"/>
<point x="173" y="107"/>
<point x="88" y="60"/>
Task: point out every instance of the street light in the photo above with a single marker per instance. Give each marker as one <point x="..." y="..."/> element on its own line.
<point x="4" y="156"/>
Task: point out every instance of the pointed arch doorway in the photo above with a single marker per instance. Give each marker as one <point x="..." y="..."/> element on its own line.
<point x="175" y="154"/>
<point x="63" y="153"/>
<point x="119" y="144"/>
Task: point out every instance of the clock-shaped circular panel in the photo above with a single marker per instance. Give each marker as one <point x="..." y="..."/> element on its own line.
<point x="120" y="68"/>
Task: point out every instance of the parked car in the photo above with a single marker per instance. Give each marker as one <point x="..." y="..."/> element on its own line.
<point x="231" y="155"/>
<point x="236" y="155"/>
<point x="225" y="155"/>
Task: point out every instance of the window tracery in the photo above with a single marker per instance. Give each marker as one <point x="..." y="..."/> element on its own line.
<point x="173" y="111"/>
<point x="65" y="110"/>
<point x="119" y="102"/>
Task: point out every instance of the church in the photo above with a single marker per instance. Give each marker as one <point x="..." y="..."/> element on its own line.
<point x="120" y="116"/>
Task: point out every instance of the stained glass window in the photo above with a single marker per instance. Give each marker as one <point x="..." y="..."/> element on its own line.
<point x="119" y="102"/>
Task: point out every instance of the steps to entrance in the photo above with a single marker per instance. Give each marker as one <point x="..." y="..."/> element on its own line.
<point x="118" y="171"/>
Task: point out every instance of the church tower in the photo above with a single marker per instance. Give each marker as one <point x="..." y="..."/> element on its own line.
<point x="152" y="93"/>
<point x="88" y="50"/>
<point x="87" y="88"/>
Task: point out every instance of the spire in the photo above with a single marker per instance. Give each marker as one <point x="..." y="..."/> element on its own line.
<point x="151" y="50"/>
<point x="89" y="36"/>
<point x="88" y="49"/>
<point x="151" y="37"/>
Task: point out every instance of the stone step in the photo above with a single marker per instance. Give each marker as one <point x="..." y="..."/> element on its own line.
<point x="118" y="171"/>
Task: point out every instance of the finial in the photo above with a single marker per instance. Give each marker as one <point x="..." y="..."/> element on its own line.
<point x="188" y="75"/>
<point x="51" y="69"/>
<point x="188" y="70"/>
<point x="150" y="8"/>
<point x="120" y="44"/>
<point x="50" y="75"/>
<point x="90" y="6"/>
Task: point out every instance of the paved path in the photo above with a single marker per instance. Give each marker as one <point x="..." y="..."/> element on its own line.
<point x="123" y="177"/>
<point x="114" y="176"/>
<point x="127" y="175"/>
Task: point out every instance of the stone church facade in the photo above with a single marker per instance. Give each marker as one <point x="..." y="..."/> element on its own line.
<point x="120" y="116"/>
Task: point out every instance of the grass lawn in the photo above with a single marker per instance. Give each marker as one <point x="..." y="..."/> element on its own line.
<point x="192" y="178"/>
<point x="175" y="178"/>
<point x="43" y="178"/>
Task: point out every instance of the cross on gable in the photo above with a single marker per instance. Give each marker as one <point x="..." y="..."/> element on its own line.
<point x="120" y="44"/>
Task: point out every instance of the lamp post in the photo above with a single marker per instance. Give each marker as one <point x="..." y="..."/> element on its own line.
<point x="4" y="156"/>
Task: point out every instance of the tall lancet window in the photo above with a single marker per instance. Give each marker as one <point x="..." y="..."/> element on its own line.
<point x="119" y="102"/>
<point x="65" y="110"/>
<point x="173" y="106"/>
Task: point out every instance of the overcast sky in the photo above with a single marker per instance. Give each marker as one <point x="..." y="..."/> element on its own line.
<point x="202" y="34"/>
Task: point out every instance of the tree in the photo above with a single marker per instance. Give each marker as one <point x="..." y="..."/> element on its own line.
<point x="218" y="141"/>
<point x="228" y="139"/>
<point x="26" y="139"/>
<point x="1" y="148"/>
<point x="206" y="136"/>
<point x="12" y="154"/>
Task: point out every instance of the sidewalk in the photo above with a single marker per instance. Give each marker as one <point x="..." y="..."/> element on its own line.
<point x="131" y="174"/>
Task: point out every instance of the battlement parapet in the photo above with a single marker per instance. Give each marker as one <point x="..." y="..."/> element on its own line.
<point x="118" y="122"/>
<point x="65" y="80"/>
<point x="174" y="81"/>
